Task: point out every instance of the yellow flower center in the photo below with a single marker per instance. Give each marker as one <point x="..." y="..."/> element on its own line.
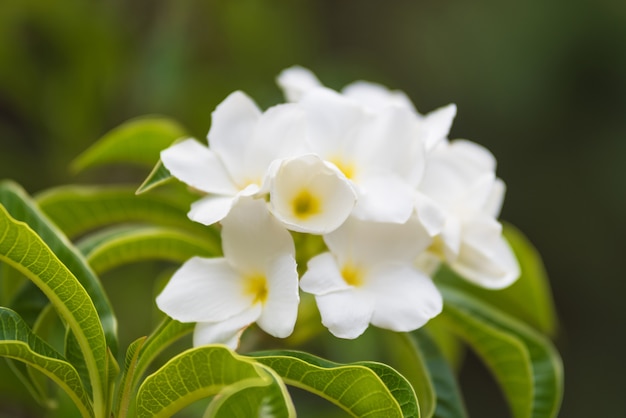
<point x="347" y="168"/>
<point x="352" y="275"/>
<point x="305" y="204"/>
<point x="437" y="248"/>
<point x="256" y="286"/>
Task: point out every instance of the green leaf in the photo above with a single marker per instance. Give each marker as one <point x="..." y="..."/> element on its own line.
<point x="80" y="209"/>
<point x="157" y="177"/>
<point x="362" y="389"/>
<point x="128" y="245"/>
<point x="126" y="388"/>
<point x="524" y="363"/>
<point x="137" y="141"/>
<point x="22" y="208"/>
<point x="266" y="397"/>
<point x="19" y="343"/>
<point x="449" y="403"/>
<point x="23" y="249"/>
<point x="166" y="334"/>
<point x="75" y="356"/>
<point x="529" y="298"/>
<point x="401" y="352"/>
<point x="140" y="355"/>
<point x="192" y="375"/>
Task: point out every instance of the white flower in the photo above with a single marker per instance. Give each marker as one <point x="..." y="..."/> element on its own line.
<point x="460" y="179"/>
<point x="433" y="127"/>
<point x="309" y="195"/>
<point x="243" y="144"/>
<point x="255" y="281"/>
<point x="369" y="277"/>
<point x="378" y="153"/>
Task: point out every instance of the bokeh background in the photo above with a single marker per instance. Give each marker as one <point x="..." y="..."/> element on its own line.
<point x="541" y="84"/>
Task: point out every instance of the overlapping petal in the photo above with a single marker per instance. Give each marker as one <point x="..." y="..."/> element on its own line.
<point x="309" y="195"/>
<point x="198" y="166"/>
<point x="204" y="290"/>
<point x="369" y="276"/>
<point x="256" y="280"/>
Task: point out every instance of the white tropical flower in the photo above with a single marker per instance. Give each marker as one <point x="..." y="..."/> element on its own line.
<point x="378" y="153"/>
<point x="310" y="195"/>
<point x="243" y="143"/>
<point x="460" y="179"/>
<point x="368" y="277"/>
<point x="433" y="127"/>
<point x="255" y="281"/>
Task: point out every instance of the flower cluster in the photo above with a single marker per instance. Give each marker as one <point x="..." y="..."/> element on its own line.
<point x="391" y="196"/>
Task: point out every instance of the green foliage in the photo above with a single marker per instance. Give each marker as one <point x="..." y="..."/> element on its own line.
<point x="18" y="342"/>
<point x="525" y="364"/>
<point x="53" y="285"/>
<point x="363" y="389"/>
<point x="26" y="251"/>
<point x="138" y="141"/>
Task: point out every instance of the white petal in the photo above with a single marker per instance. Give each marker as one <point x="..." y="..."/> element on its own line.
<point x="430" y="214"/>
<point x="493" y="268"/>
<point x="198" y="166"/>
<point x="251" y="237"/>
<point x="211" y="209"/>
<point x="405" y="298"/>
<point x="232" y="128"/>
<point x="451" y="236"/>
<point x="384" y="198"/>
<point x="295" y="81"/>
<point x="389" y="142"/>
<point x="475" y="154"/>
<point x="307" y="195"/>
<point x="203" y="290"/>
<point x="280" y="310"/>
<point x="452" y="169"/>
<point x="225" y="332"/>
<point x="435" y="126"/>
<point x="346" y="314"/>
<point x="323" y="276"/>
<point x="376" y="97"/>
<point x="332" y="120"/>
<point x="369" y="243"/>
<point x="280" y="133"/>
<point x="493" y="205"/>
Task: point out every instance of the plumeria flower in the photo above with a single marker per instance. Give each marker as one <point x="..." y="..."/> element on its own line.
<point x="433" y="127"/>
<point x="243" y="143"/>
<point x="310" y="195"/>
<point x="379" y="153"/>
<point x="369" y="277"/>
<point x="460" y="178"/>
<point x="255" y="281"/>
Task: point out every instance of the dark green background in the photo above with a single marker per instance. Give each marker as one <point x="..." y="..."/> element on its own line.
<point x="540" y="83"/>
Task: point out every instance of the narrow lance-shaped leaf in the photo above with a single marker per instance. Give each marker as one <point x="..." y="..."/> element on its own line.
<point x="19" y="343"/>
<point x="80" y="209"/>
<point x="22" y="208"/>
<point x="401" y="352"/>
<point x="137" y="141"/>
<point x="449" y="403"/>
<point x="25" y="251"/>
<point x="125" y="388"/>
<point x="192" y="375"/>
<point x="157" y="177"/>
<point x="524" y="363"/>
<point x="144" y="243"/>
<point x="140" y="355"/>
<point x="266" y="397"/>
<point x="362" y="389"/>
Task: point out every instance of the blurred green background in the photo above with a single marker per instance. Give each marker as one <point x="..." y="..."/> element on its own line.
<point x="541" y="84"/>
